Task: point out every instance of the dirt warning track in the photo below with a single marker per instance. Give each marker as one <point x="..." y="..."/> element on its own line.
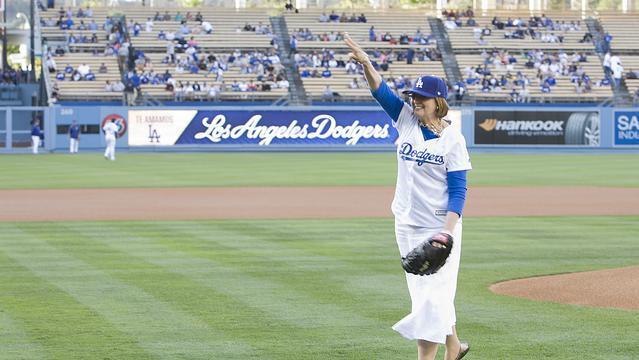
<point x="297" y="202"/>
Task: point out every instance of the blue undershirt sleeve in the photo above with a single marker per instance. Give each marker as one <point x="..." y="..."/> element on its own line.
<point x="456" y="191"/>
<point x="390" y="102"/>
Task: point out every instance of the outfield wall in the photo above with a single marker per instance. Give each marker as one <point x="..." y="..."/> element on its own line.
<point x="352" y="128"/>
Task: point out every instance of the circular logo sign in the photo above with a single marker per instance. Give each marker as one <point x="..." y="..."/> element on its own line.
<point x="119" y="121"/>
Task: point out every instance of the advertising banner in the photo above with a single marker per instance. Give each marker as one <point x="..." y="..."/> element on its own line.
<point x="264" y="128"/>
<point x="536" y="128"/>
<point x="626" y="130"/>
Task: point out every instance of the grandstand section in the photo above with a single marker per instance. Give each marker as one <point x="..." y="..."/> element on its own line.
<point x="345" y="84"/>
<point x="94" y="90"/>
<point x="565" y="32"/>
<point x="386" y="35"/>
<point x="219" y="54"/>
<point x="226" y="32"/>
<point x="631" y="64"/>
<point x="393" y="23"/>
<point x="623" y="29"/>
<point x="494" y="77"/>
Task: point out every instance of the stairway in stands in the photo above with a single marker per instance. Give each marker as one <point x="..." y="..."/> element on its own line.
<point x="621" y="93"/>
<point x="296" y="91"/>
<point x="449" y="61"/>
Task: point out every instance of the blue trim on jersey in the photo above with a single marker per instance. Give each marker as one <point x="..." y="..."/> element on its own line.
<point x="456" y="191"/>
<point x="427" y="133"/>
<point x="390" y="102"/>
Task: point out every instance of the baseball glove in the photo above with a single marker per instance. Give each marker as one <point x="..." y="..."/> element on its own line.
<point x="429" y="257"/>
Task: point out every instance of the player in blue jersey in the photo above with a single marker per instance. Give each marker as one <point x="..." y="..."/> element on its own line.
<point x="36" y="135"/>
<point x="74" y="137"/>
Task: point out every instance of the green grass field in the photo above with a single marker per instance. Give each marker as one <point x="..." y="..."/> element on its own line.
<point x="301" y="289"/>
<point x="296" y="169"/>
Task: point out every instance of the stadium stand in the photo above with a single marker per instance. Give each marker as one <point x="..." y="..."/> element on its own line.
<point x="520" y="58"/>
<point x="621" y="40"/>
<point x="346" y="80"/>
<point x="68" y="33"/>
<point x="82" y="89"/>
<point x="227" y="27"/>
<point x="623" y="29"/>
<point x="212" y="54"/>
<point x="228" y="54"/>
<point x="386" y="35"/>
<point x="396" y="23"/>
<point x="513" y="32"/>
<point x="527" y="74"/>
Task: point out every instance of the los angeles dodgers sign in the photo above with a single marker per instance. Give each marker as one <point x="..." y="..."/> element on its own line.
<point x="264" y="128"/>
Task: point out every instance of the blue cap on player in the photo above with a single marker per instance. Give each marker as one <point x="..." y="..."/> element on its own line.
<point x="429" y="86"/>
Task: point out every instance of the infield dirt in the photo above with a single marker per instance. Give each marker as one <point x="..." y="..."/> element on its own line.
<point x="296" y="203"/>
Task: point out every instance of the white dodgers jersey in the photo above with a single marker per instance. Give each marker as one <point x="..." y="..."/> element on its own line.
<point x="110" y="129"/>
<point x="421" y="194"/>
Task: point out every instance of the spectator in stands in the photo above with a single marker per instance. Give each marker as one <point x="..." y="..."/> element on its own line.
<point x="362" y="18"/>
<point x="108" y="86"/>
<point x="604" y="44"/>
<point x="632" y="74"/>
<point x="51" y="65"/>
<point x="283" y="83"/>
<point x="198" y="17"/>
<point x="323" y="18"/>
<point x="471" y="22"/>
<point x="289" y="6"/>
<point x="148" y="27"/>
<point x="327" y="95"/>
<point x="587" y="38"/>
<point x="460" y="90"/>
<point x="184" y="29"/>
<point x="158" y="17"/>
<point x="617" y="70"/>
<point x="354" y="84"/>
<point x="167" y="16"/>
<point x="333" y="17"/>
<point x="60" y="76"/>
<point x="36" y="135"/>
<point x="178" y="17"/>
<point x="206" y="27"/>
<point x="450" y="24"/>
<point x="293" y="45"/>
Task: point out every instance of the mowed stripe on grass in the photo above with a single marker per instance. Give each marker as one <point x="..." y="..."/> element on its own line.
<point x="280" y="289"/>
<point x="160" y="329"/>
<point x="156" y="170"/>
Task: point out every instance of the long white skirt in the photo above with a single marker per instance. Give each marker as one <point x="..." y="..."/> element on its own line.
<point x="432" y="314"/>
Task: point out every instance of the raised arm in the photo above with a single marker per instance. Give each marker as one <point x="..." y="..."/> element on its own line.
<point x="358" y="54"/>
<point x="390" y="102"/>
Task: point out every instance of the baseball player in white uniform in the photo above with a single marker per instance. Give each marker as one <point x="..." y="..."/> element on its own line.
<point x="432" y="161"/>
<point x="110" y="133"/>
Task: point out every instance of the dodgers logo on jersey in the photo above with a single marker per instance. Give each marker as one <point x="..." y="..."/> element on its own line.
<point x="408" y="154"/>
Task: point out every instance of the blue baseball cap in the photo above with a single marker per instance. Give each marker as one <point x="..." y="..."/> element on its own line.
<point x="429" y="86"/>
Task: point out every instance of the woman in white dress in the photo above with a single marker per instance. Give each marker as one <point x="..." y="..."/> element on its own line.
<point x="432" y="161"/>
